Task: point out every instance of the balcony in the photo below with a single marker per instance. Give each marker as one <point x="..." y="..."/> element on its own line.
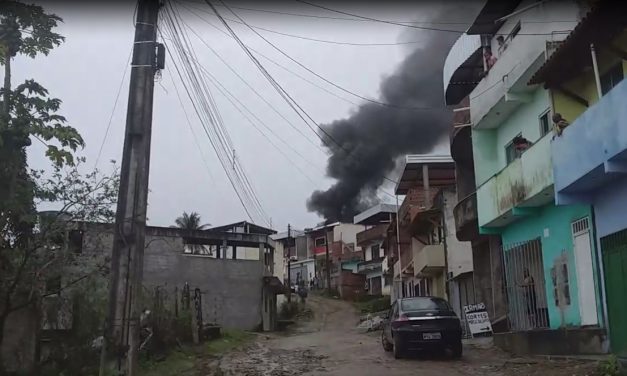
<point x="366" y="267"/>
<point x="376" y="233"/>
<point x="428" y="260"/>
<point x="505" y="88"/>
<point x="466" y="218"/>
<point x="592" y="151"/>
<point x="463" y="68"/>
<point x="526" y="183"/>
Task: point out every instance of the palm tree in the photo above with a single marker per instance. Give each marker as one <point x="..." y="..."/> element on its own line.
<point x="190" y="221"/>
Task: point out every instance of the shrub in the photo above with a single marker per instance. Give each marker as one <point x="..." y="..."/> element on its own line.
<point x="610" y="367"/>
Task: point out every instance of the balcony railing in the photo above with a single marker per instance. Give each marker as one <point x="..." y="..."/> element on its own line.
<point x="505" y="87"/>
<point x="527" y="177"/>
<point x="375" y="233"/>
<point x="429" y="260"/>
<point x="415" y="202"/>
<point x="592" y="147"/>
<point x="466" y="217"/>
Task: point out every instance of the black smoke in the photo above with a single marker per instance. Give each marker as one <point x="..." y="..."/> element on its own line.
<point x="375" y="136"/>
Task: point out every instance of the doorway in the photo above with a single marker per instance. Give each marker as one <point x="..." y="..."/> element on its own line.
<point x="614" y="249"/>
<point x="585" y="273"/>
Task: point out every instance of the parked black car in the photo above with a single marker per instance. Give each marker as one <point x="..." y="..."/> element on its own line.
<point x="422" y="323"/>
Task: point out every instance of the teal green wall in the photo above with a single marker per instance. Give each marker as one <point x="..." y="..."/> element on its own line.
<point x="525" y="120"/>
<point x="557" y="219"/>
<point x="484" y="154"/>
<point x="489" y="144"/>
<point x="350" y="265"/>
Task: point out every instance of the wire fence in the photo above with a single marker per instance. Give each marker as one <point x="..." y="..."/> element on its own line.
<point x="525" y="285"/>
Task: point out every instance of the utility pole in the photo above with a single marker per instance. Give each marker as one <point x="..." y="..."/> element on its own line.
<point x="289" y="263"/>
<point x="326" y="260"/>
<point x="122" y="327"/>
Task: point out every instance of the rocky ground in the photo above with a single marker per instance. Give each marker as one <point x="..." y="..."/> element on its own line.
<point x="331" y="344"/>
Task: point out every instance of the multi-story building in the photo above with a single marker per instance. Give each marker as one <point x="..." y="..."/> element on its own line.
<point x="544" y="246"/>
<point x="584" y="78"/>
<point x="416" y="240"/>
<point x="342" y="248"/>
<point x="377" y="220"/>
<point x="463" y="69"/>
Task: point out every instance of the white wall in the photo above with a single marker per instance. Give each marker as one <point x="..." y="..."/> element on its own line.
<point x="347" y="232"/>
<point x="459" y="254"/>
<point x="538" y="25"/>
<point x="368" y="251"/>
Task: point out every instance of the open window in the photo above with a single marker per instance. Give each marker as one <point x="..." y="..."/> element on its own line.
<point x="545" y="123"/>
<point x="320" y="242"/>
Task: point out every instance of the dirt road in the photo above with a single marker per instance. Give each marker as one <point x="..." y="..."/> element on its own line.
<point x="330" y="345"/>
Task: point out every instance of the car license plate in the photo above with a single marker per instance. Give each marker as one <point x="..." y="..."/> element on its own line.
<point x="431" y="336"/>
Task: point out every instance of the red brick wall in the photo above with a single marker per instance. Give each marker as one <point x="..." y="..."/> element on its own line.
<point x="351" y="285"/>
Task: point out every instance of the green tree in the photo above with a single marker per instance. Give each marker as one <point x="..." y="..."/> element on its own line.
<point x="31" y="248"/>
<point x="190" y="221"/>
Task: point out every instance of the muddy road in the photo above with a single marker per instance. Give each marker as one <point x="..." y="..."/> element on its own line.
<point x="330" y="344"/>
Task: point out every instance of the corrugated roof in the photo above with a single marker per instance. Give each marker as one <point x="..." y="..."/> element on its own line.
<point x="599" y="26"/>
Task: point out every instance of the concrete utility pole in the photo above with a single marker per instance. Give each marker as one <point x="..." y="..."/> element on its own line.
<point x="326" y="259"/>
<point x="122" y="327"/>
<point x="289" y="263"/>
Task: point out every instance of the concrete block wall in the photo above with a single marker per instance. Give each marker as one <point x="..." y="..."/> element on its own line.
<point x="231" y="289"/>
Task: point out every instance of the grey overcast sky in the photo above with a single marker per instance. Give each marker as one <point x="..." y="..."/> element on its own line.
<point x="86" y="71"/>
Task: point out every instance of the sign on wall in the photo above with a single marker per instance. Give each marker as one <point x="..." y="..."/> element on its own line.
<point x="477" y="318"/>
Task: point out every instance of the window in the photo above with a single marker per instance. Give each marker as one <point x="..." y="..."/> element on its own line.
<point x="545" y="123"/>
<point x="375" y="252"/>
<point x="511" y="153"/>
<point x="425" y="304"/>
<point x="320" y="242"/>
<point x="612" y="78"/>
<point x="514" y="31"/>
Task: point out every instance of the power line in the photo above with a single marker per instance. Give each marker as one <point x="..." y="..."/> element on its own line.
<point x="206" y="109"/>
<point x="228" y="95"/>
<point x="278" y="87"/>
<point x="115" y="104"/>
<point x="223" y="89"/>
<point x="365" y="20"/>
<point x="189" y="124"/>
<point x="310" y="38"/>
<point x="414" y="26"/>
<point x="251" y="87"/>
<point x="276" y="63"/>
<point x="327" y="80"/>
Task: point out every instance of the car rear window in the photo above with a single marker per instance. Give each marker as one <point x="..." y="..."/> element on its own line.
<point x="424" y="304"/>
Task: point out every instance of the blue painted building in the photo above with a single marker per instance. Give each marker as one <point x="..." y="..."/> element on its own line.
<point x="585" y="79"/>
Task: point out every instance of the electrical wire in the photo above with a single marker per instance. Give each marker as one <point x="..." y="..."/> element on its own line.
<point x="365" y="20"/>
<point x="291" y="102"/>
<point x="310" y="38"/>
<point x="115" y="105"/>
<point x="223" y="89"/>
<point x="251" y="88"/>
<point x="206" y="109"/>
<point x="414" y="26"/>
<point x="191" y="129"/>
<point x="324" y="78"/>
<point x="274" y="62"/>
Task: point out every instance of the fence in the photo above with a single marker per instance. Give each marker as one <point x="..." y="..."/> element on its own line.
<point x="525" y="285"/>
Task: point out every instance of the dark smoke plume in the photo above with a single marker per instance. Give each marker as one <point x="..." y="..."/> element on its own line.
<point x="373" y="137"/>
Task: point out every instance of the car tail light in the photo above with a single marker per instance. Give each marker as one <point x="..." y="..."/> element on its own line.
<point x="400" y="321"/>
